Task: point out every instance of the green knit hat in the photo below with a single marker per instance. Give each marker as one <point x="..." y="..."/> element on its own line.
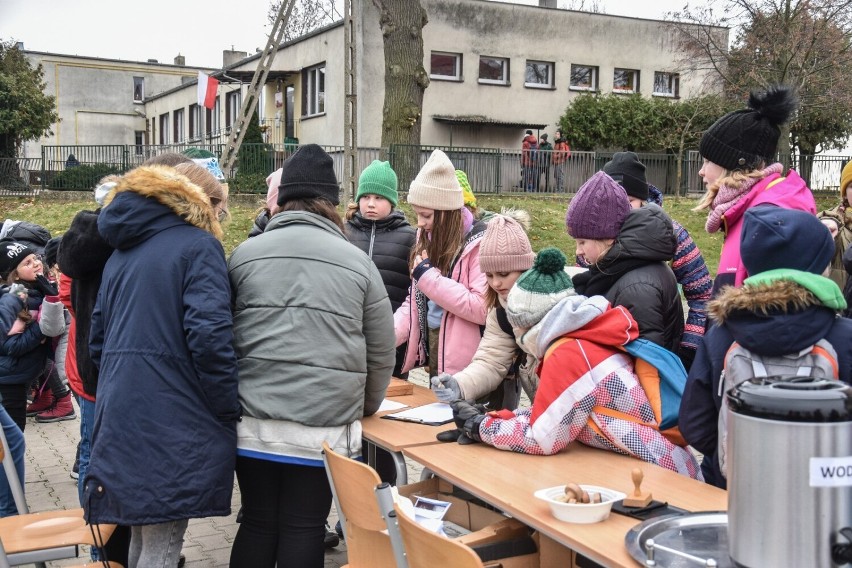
<point x="539" y="289"/>
<point x="378" y="179"/>
<point x="469" y="197"/>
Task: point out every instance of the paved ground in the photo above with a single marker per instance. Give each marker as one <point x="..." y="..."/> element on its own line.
<point x="50" y="456"/>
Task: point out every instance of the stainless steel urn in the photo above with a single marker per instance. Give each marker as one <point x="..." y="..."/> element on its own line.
<point x="790" y="472"/>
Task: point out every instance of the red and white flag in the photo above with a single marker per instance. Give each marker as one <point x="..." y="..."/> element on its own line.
<point x="208" y="88"/>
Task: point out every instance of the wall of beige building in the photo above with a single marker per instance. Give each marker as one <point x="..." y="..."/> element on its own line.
<point x="95" y="97"/>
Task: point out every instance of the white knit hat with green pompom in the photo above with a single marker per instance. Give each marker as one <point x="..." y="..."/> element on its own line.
<point x="539" y="289"/>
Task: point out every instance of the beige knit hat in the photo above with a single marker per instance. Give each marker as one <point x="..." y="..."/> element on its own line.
<point x="436" y="186"/>
<point x="505" y="247"/>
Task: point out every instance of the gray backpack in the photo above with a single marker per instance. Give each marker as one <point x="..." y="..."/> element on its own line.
<point x="741" y="364"/>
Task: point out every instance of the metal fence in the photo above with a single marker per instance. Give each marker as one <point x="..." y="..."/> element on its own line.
<point x="490" y="170"/>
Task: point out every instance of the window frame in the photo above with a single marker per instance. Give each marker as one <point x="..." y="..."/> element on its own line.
<point x="674" y="83"/>
<point x="594" y="70"/>
<point x="552" y="77"/>
<point x="139" y="142"/>
<point x="233" y="103"/>
<point x="165" y="129"/>
<point x="139" y="84"/>
<point x="502" y="82"/>
<point x="635" y="73"/>
<point x="458" y="77"/>
<point x="313" y="91"/>
<point x="179" y="122"/>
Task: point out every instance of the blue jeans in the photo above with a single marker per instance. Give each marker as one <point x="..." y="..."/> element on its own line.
<point x="156" y="546"/>
<point x="87" y="422"/>
<point x="17" y="449"/>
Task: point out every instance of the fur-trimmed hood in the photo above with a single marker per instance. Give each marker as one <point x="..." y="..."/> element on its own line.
<point x="126" y="221"/>
<point x="772" y="319"/>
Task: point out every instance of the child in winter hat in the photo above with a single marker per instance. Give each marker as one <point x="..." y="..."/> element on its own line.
<point x="436" y="186"/>
<point x="378" y="179"/>
<point x="539" y="289"/>
<point x="598" y="210"/>
<point x="308" y="174"/>
<point x="629" y="172"/>
<point x="469" y="197"/>
<point x="505" y="247"/>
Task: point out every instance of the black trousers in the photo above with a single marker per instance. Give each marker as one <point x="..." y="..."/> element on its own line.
<point x="15" y="403"/>
<point x="284" y="511"/>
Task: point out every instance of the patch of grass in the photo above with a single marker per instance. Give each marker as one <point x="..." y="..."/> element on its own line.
<point x="547" y="213"/>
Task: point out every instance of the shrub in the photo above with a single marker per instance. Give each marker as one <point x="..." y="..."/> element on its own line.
<point x="83" y="177"/>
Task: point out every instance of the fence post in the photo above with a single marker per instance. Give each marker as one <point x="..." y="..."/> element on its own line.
<point x="43" y="171"/>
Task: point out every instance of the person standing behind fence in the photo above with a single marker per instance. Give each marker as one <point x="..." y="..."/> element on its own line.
<point x="561" y="153"/>
<point x="441" y="317"/>
<point x="314" y="339"/>
<point x="545" y="155"/>
<point x="161" y="336"/>
<point x="688" y="264"/>
<point x="738" y="172"/>
<point x="529" y="162"/>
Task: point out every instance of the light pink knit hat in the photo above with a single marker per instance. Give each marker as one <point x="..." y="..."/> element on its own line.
<point x="272" y="183"/>
<point x="505" y="247"/>
<point x="436" y="185"/>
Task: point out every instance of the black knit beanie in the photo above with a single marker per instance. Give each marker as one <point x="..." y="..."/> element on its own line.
<point x="308" y="174"/>
<point x="51" y="250"/>
<point x="12" y="253"/>
<point x="627" y="170"/>
<point x="745" y="139"/>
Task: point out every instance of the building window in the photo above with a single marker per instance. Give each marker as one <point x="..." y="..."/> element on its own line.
<point x="138" y="89"/>
<point x="666" y="84"/>
<point x="625" y="81"/>
<point x="213" y="118"/>
<point x="164" y="128"/>
<point x="180" y="133"/>
<point x="584" y="78"/>
<point x="195" y="122"/>
<point x="139" y="142"/>
<point x="313" y="91"/>
<point x="446" y="66"/>
<point x="493" y="70"/>
<point x="233" y="100"/>
<point x="539" y="74"/>
<point x="289" y="112"/>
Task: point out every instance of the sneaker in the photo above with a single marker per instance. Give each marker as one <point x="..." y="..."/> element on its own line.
<point x="75" y="469"/>
<point x="338" y="528"/>
<point x="62" y="410"/>
<point x="74" y="474"/>
<point x="181" y="561"/>
<point x="331" y="538"/>
<point x="42" y="403"/>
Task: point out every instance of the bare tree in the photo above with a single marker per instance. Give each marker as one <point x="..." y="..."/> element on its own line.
<point x="806" y="44"/>
<point x="307" y="15"/>
<point x="402" y="22"/>
<point x="594" y="6"/>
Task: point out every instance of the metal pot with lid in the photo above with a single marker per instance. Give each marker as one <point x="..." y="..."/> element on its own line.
<point x="790" y="472"/>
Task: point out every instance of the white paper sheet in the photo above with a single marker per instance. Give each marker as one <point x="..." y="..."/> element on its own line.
<point x="388" y="404"/>
<point x="434" y="413"/>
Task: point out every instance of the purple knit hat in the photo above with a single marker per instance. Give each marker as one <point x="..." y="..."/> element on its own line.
<point x="598" y="210"/>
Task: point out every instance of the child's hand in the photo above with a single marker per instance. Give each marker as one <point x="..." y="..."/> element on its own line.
<point x="19" y="290"/>
<point x="45" y="286"/>
<point x="421" y="257"/>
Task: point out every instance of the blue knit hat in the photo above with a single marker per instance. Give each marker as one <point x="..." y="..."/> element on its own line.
<point x="774" y="237"/>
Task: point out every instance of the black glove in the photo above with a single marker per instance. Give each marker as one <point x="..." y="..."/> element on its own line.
<point x="45" y="286"/>
<point x="468" y="417"/>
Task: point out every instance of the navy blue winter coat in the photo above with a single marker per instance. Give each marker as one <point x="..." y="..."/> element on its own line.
<point x="778" y="319"/>
<point x="164" y="437"/>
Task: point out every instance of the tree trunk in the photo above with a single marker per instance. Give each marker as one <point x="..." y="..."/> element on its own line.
<point x="402" y="24"/>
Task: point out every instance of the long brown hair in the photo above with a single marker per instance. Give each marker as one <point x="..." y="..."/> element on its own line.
<point x="447" y="238"/>
<point x="317" y="206"/>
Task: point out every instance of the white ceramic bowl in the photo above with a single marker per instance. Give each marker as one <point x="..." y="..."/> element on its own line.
<point x="583" y="513"/>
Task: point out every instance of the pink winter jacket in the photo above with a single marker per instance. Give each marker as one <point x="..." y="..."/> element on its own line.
<point x="462" y="296"/>
<point x="790" y="192"/>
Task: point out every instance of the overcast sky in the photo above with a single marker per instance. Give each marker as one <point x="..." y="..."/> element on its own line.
<point x="162" y="29"/>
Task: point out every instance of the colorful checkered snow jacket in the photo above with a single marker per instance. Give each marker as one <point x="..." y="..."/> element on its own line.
<point x="587" y="384"/>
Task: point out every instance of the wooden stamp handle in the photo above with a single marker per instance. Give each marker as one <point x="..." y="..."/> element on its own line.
<point x="637" y="476"/>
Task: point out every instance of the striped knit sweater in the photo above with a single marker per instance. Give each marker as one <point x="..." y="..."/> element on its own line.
<point x="694" y="279"/>
<point x="587" y="390"/>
